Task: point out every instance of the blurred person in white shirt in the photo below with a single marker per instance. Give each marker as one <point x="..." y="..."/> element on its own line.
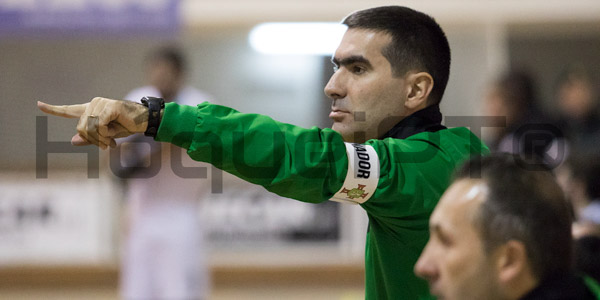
<point x="163" y="255"/>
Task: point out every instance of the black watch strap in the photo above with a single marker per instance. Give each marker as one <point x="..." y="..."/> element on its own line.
<point x="154" y="106"/>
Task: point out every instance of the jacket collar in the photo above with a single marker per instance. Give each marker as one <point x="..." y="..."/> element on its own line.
<point x="428" y="119"/>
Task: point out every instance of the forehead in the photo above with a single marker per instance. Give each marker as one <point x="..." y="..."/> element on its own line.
<point x="459" y="204"/>
<point x="367" y="43"/>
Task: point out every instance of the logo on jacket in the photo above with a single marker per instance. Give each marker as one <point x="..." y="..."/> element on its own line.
<point x="355" y="192"/>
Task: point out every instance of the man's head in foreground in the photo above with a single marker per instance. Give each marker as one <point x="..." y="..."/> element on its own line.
<point x="497" y="232"/>
<point x="392" y="62"/>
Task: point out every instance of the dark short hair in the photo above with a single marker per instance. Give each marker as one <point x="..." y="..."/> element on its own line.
<point x="418" y="42"/>
<point x="170" y="54"/>
<point x="524" y="205"/>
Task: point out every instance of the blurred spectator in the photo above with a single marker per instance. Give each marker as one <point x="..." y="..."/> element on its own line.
<point x="163" y="253"/>
<point x="577" y="99"/>
<point x="526" y="131"/>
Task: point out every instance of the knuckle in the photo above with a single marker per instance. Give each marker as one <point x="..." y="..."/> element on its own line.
<point x="95" y="100"/>
<point x="112" y="107"/>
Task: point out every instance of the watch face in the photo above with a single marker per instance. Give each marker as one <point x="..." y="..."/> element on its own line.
<point x="160" y="101"/>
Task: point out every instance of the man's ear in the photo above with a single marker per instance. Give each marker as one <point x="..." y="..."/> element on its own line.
<point x="419" y="87"/>
<point x="512" y="262"/>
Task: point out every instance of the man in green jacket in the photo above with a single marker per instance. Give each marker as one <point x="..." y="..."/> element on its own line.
<point x="386" y="150"/>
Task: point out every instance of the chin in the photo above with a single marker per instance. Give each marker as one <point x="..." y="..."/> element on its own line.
<point x="437" y="293"/>
<point x="336" y="126"/>
<point x="339" y="129"/>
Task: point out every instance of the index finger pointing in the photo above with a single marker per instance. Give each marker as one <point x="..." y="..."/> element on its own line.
<point x="67" y="111"/>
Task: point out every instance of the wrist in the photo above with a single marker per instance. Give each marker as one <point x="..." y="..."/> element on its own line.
<point x="155" y="108"/>
<point x="140" y="122"/>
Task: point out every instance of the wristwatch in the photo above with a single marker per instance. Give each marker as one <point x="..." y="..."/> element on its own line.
<point x="154" y="106"/>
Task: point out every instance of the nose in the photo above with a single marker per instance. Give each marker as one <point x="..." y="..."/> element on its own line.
<point x="334" y="88"/>
<point x="426" y="267"/>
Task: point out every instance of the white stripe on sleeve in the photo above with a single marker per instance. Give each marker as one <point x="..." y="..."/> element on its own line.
<point x="362" y="176"/>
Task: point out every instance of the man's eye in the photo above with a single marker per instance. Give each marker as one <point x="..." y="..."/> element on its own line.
<point x="358" y="70"/>
<point x="335" y="68"/>
<point x="445" y="240"/>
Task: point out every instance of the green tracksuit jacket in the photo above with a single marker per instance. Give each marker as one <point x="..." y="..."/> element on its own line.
<point x="397" y="181"/>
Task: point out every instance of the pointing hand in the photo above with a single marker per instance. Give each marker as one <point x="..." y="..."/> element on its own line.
<point x="102" y="120"/>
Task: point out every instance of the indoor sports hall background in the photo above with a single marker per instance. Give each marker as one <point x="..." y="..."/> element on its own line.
<point x="61" y="207"/>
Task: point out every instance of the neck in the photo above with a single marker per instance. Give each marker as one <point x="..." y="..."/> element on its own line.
<point x="169" y="95"/>
<point x="428" y="119"/>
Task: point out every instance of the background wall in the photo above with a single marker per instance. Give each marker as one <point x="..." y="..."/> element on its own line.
<point x="486" y="37"/>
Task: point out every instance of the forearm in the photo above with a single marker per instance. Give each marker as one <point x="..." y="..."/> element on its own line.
<point x="304" y="164"/>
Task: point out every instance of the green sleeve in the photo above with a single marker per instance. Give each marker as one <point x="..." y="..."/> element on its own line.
<point x="311" y="165"/>
<point x="304" y="164"/>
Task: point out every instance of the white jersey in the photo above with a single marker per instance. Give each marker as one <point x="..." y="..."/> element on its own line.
<point x="164" y="255"/>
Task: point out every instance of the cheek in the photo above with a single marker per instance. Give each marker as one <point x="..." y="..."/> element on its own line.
<point x="379" y="99"/>
<point x="454" y="264"/>
<point x="360" y="98"/>
<point x="464" y="271"/>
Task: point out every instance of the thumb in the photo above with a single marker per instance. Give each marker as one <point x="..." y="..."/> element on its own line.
<point x="78" y="140"/>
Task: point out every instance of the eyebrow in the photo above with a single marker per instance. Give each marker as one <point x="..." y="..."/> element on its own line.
<point x="351" y="60"/>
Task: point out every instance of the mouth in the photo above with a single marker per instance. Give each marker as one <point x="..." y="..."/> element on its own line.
<point x="337" y="114"/>
<point x="434" y="290"/>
